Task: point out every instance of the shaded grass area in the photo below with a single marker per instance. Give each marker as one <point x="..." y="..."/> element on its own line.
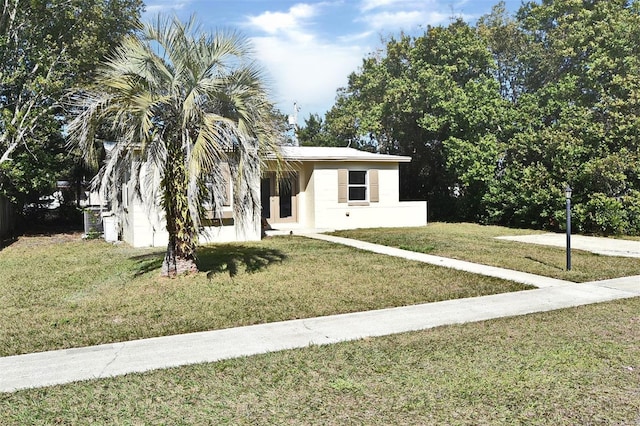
<point x="577" y="366"/>
<point x="62" y="293"/>
<point x="476" y="243"/>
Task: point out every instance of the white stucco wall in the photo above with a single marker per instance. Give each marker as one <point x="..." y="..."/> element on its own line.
<point x="306" y="216"/>
<point x="406" y="213"/>
<point x="318" y="205"/>
<point x="388" y="212"/>
<point x="228" y="234"/>
<point x="143" y="228"/>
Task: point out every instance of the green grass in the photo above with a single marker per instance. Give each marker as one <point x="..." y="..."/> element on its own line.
<point x="59" y="292"/>
<point x="576" y="366"/>
<point x="567" y="367"/>
<point x="476" y="243"/>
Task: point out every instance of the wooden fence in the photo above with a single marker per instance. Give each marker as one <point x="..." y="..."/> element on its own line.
<point x="7" y="217"/>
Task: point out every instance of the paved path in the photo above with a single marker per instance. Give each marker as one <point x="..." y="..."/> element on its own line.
<point x="599" y="245"/>
<point x="476" y="268"/>
<point x="65" y="366"/>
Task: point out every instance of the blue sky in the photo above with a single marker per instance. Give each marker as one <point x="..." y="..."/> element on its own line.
<point x="308" y="48"/>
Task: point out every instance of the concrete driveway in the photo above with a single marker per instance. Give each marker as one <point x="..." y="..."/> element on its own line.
<point x="599" y="245"/>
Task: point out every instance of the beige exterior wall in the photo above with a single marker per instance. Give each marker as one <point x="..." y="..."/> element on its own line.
<point x="142" y="228"/>
<point x="307" y="196"/>
<point x="321" y="209"/>
<point x="407" y="213"/>
<point x="318" y="207"/>
<point x="228" y="234"/>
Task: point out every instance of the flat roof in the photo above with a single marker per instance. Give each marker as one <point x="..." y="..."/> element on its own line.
<point x="325" y="153"/>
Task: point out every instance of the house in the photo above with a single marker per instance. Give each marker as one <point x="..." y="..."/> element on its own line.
<point x="323" y="188"/>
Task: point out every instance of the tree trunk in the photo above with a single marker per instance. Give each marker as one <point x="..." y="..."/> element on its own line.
<point x="174" y="265"/>
<point x="180" y="255"/>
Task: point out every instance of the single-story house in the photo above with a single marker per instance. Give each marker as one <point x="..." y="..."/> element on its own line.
<point x="324" y="188"/>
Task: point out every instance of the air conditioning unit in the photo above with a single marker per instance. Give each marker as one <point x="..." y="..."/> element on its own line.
<point x="93" y="221"/>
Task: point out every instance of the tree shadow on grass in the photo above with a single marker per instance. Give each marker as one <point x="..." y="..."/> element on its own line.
<point x="148" y="262"/>
<point x="231" y="258"/>
<point x="218" y="259"/>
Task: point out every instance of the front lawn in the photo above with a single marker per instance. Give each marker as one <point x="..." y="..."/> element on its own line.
<point x="476" y="243"/>
<point x="567" y="367"/>
<point x="60" y="292"/>
<point x="576" y="366"/>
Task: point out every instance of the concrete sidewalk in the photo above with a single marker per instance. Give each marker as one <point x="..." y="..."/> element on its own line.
<point x="65" y="366"/>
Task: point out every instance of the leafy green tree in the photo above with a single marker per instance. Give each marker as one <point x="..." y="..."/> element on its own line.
<point x="180" y="103"/>
<point x="311" y="131"/>
<point x="433" y="98"/>
<point x="46" y="47"/>
<point x="315" y="133"/>
<point x="577" y="119"/>
<point x="507" y="43"/>
<point x="499" y="117"/>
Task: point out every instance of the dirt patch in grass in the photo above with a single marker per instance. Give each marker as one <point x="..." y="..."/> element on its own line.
<point x="47" y="239"/>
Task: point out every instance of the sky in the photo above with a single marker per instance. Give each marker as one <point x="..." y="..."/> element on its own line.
<point x="309" y="48"/>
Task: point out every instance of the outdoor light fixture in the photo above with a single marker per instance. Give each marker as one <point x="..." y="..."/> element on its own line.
<point x="567" y="193"/>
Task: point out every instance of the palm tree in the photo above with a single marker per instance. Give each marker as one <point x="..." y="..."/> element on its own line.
<point x="179" y="104"/>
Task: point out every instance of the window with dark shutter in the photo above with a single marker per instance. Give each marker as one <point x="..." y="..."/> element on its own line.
<point x="357" y="185"/>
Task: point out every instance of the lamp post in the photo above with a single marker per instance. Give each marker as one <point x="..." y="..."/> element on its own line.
<point x="567" y="193"/>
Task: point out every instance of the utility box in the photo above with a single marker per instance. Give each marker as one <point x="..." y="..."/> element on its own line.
<point x="110" y="226"/>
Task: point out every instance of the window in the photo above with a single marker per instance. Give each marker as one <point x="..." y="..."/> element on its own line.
<point x="218" y="185"/>
<point x="357" y="185"/>
<point x="125" y="195"/>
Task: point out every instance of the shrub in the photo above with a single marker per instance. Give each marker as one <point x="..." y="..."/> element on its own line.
<point x="601" y="215"/>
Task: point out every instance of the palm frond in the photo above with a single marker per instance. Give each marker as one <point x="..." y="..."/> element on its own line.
<point x="175" y="95"/>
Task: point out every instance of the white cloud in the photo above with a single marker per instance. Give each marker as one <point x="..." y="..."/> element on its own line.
<point x="304" y="68"/>
<point x="351" y="38"/>
<point x="308" y="69"/>
<point x="164" y="6"/>
<point x="404" y="19"/>
<point x="308" y="74"/>
<point x="392" y="20"/>
<point x="288" y="22"/>
<point x="402" y="14"/>
<point x="368" y="5"/>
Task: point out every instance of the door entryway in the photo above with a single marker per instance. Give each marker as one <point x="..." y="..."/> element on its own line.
<point x="279" y="197"/>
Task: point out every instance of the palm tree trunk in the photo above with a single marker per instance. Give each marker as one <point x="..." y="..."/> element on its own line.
<point x="180" y="255"/>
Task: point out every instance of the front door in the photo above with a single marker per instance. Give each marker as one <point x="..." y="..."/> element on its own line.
<point x="279" y="198"/>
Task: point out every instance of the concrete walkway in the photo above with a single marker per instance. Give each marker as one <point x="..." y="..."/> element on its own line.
<point x="475" y="268"/>
<point x="599" y="245"/>
<point x="65" y="366"/>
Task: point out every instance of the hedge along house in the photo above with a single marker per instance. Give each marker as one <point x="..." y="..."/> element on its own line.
<point x="324" y="188"/>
